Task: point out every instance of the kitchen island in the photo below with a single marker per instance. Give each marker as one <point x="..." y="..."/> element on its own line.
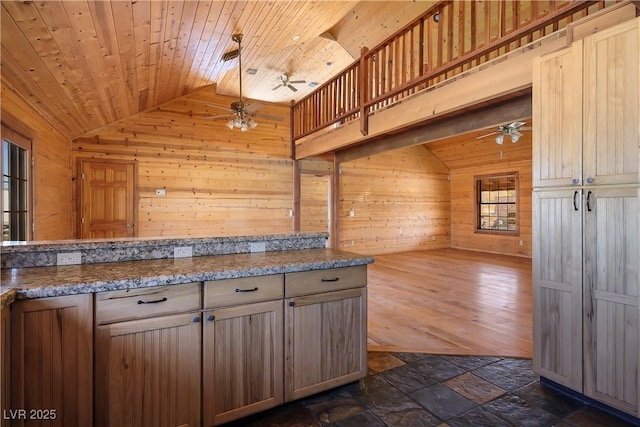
<point x="199" y="340"/>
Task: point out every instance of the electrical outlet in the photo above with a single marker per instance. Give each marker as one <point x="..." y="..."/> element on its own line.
<point x="257" y="247"/>
<point x="182" y="252"/>
<point x="161" y="191"/>
<point x="69" y="258"/>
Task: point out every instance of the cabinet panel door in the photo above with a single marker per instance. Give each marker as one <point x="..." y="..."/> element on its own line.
<point x="326" y="339"/>
<point x="52" y="358"/>
<point x="612" y="105"/>
<point x="557" y="118"/>
<point x="5" y="365"/>
<point x="243" y="349"/>
<point x="148" y="372"/>
<point x="612" y="279"/>
<point x="557" y="286"/>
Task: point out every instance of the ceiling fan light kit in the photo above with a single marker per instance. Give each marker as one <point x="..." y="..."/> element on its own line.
<point x="512" y="130"/>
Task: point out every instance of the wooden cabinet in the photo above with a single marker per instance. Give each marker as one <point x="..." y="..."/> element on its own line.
<point x="52" y="360"/>
<point x="612" y="284"/>
<point x="5" y="364"/>
<point x="587" y="219"/>
<point x="557" y="291"/>
<point x="326" y="332"/>
<point x="243" y="347"/>
<point x="148" y="371"/>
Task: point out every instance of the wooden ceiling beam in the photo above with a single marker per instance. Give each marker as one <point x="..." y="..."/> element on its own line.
<point x="458" y="123"/>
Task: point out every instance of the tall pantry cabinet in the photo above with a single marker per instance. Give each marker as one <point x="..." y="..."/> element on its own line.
<point x="586" y="218"/>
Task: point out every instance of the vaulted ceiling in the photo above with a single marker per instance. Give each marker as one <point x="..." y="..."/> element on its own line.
<point x="84" y="64"/>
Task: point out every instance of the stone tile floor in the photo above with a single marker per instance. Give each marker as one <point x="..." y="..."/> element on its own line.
<point x="409" y="389"/>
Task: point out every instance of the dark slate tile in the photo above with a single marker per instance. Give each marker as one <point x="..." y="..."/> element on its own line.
<point x="505" y="377"/>
<point x="515" y="363"/>
<point x="537" y="394"/>
<point x="374" y="390"/>
<point x="410" y="357"/>
<point x="332" y="407"/>
<point x="361" y="419"/>
<point x="441" y="401"/>
<point x="290" y="415"/>
<point x="408" y="378"/>
<point x="474" y="388"/>
<point x="472" y="362"/>
<point x="593" y="417"/>
<point x="405" y="413"/>
<point x="437" y="368"/>
<point x="517" y="411"/>
<point x="477" y="417"/>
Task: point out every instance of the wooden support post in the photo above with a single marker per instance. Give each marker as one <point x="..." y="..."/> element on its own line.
<point x="334" y="238"/>
<point x="363" y="84"/>
<point x="291" y="129"/>
<point x="296" y="196"/>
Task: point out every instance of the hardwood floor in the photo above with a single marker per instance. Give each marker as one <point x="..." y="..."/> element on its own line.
<point x="451" y="301"/>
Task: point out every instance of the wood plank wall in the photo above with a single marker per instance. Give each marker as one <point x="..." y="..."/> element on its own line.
<point x="51" y="173"/>
<point x="218" y="181"/>
<point x="463" y="234"/>
<point x="400" y="201"/>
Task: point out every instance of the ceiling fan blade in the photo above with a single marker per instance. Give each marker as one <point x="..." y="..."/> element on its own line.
<point x="279" y="86"/>
<point x="484" y="136"/>
<point x="253" y="107"/>
<point x="298" y="81"/>
<point x="268" y="116"/>
<point x="516" y="132"/>
<point x="219" y="116"/>
<point x="292" y="88"/>
<point x="218" y="106"/>
<point x="515" y="125"/>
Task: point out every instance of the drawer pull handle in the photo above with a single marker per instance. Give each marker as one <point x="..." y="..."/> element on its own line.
<point x="211" y="318"/>
<point x="291" y="303"/>
<point x="335" y="279"/>
<point x="196" y="319"/>
<point x="247" y="290"/>
<point x="153" y="302"/>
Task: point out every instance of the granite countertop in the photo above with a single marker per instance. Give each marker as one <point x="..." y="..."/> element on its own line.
<point x="40" y="282"/>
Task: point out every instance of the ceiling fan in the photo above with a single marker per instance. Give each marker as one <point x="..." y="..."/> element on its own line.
<point x="512" y="130"/>
<point x="285" y="81"/>
<point x="240" y="114"/>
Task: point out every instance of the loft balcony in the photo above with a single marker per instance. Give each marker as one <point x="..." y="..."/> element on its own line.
<point x="459" y="56"/>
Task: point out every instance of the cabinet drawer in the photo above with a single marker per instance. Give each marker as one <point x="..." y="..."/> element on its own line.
<point x="220" y="293"/>
<point x="116" y="306"/>
<point x="332" y="279"/>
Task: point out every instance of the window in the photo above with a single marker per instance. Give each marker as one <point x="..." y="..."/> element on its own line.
<point x="15" y="186"/>
<point x="497" y="203"/>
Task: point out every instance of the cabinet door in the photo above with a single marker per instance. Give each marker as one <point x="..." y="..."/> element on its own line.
<point x="148" y="372"/>
<point x="557" y="118"/>
<point x="52" y="359"/>
<point x="611" y="105"/>
<point x="557" y="286"/>
<point x="326" y="341"/>
<point x="612" y="280"/>
<point x="5" y="374"/>
<point x="243" y="361"/>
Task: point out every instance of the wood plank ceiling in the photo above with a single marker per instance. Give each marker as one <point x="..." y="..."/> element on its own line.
<point x="85" y="64"/>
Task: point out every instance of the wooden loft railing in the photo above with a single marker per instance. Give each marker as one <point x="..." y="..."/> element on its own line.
<point x="448" y="39"/>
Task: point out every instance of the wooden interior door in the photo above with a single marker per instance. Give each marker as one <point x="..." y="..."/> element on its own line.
<point x="107" y="200"/>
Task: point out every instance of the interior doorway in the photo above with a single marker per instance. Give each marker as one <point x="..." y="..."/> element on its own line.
<point x="107" y="199"/>
<point x="315" y="206"/>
